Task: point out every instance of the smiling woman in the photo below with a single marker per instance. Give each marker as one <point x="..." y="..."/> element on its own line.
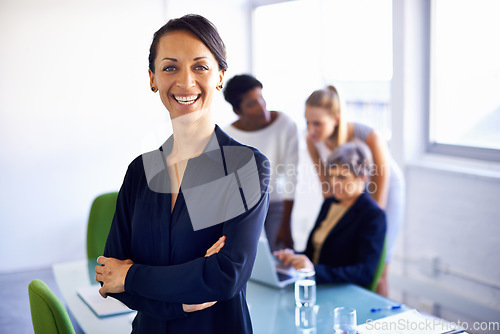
<point x="187" y="71"/>
<point x="183" y="240"/>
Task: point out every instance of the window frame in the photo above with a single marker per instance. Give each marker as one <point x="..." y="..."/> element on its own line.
<point x="431" y="146"/>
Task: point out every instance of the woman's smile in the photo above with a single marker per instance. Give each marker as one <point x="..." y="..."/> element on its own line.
<point x="186" y="74"/>
<point x="186" y="100"/>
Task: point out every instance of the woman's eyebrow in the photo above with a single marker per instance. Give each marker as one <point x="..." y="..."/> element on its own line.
<point x="175" y="60"/>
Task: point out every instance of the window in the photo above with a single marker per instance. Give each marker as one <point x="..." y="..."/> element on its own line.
<point x="465" y="78"/>
<point x="304" y="45"/>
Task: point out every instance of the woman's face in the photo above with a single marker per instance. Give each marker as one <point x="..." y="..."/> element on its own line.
<point x="346" y="185"/>
<point x="320" y="124"/>
<point x="253" y="109"/>
<point x="186" y="74"/>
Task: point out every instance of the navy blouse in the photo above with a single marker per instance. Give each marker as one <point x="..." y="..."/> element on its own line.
<point x="168" y="246"/>
<point x="352" y="249"/>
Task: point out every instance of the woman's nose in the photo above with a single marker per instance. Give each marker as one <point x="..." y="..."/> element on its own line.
<point x="185" y="79"/>
<point x="262" y="104"/>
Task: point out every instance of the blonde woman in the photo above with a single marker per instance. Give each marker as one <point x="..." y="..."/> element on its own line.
<point x="327" y="129"/>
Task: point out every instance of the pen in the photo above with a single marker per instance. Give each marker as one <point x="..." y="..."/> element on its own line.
<point x="395" y="307"/>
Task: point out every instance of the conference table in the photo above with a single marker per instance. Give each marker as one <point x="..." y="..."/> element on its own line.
<point x="272" y="310"/>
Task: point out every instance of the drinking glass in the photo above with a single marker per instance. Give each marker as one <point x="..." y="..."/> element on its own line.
<point x="305" y="288"/>
<point x="305" y="319"/>
<point x="344" y="320"/>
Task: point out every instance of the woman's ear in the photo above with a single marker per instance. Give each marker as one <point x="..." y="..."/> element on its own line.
<point x="152" y="81"/>
<point x="221" y="77"/>
<point x="220" y="81"/>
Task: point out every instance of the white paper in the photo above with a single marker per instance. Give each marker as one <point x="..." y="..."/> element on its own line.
<point x="101" y="306"/>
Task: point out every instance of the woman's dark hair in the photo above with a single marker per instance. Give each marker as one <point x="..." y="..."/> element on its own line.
<point x="199" y="26"/>
<point x="238" y="86"/>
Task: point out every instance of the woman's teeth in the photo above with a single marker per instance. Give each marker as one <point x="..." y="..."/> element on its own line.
<point x="186" y="100"/>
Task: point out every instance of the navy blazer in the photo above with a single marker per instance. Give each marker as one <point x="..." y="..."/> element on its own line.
<point x="352" y="249"/>
<point x="168" y="251"/>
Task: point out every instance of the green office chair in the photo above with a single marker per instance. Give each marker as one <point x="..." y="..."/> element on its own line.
<point x="378" y="272"/>
<point x="100" y="218"/>
<point x="47" y="312"/>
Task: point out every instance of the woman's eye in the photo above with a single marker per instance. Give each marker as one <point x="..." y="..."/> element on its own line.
<point x="251" y="104"/>
<point x="169" y="68"/>
<point x="202" y="68"/>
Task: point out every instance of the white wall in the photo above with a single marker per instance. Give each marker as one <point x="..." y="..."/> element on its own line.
<point x="447" y="259"/>
<point x="75" y="109"/>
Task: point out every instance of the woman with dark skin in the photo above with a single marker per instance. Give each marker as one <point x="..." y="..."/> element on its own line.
<point x="172" y="253"/>
<point x="275" y="135"/>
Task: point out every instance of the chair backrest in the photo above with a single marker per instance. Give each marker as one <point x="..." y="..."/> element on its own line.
<point x="378" y="272"/>
<point x="100" y="218"/>
<point x="47" y="312"/>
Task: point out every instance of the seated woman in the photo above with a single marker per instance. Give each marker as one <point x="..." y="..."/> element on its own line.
<point x="348" y="237"/>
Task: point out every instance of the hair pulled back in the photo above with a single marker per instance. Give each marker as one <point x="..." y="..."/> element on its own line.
<point x="329" y="99"/>
<point x="199" y="26"/>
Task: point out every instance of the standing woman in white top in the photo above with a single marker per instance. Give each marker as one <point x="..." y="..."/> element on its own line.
<point x="275" y="135"/>
<point x="327" y="129"/>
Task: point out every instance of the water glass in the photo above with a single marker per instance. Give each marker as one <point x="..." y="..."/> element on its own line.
<point x="305" y="319"/>
<point x="344" y="320"/>
<point x="305" y="288"/>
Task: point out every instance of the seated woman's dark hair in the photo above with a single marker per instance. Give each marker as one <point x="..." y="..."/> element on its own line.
<point x="238" y="86"/>
<point x="201" y="28"/>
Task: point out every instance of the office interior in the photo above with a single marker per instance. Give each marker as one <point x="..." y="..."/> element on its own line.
<point x="76" y="109"/>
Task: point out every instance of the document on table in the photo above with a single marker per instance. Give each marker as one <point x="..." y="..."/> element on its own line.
<point x="102" y="307"/>
<point x="409" y="322"/>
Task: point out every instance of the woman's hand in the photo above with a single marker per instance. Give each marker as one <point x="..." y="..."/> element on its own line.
<point x="284" y="254"/>
<point x="215" y="248"/>
<point x="112" y="274"/>
<point x="196" y="307"/>
<point x="289" y="258"/>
